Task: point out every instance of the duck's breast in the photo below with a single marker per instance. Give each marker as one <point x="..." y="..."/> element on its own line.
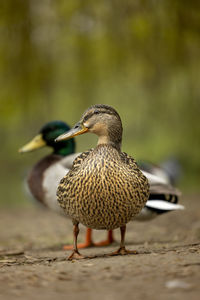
<point x="102" y="192"/>
<point x="44" y="179"/>
<point x="51" y="179"/>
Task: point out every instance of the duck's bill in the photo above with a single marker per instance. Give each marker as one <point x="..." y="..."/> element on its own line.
<point x="76" y="130"/>
<point x="36" y="143"/>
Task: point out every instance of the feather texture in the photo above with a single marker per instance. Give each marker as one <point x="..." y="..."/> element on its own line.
<point x="104" y="190"/>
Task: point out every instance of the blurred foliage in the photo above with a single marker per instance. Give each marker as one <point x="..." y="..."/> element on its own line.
<point x="142" y="57"/>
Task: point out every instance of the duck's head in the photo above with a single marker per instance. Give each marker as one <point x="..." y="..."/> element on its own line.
<point x="102" y="120"/>
<point x="46" y="137"/>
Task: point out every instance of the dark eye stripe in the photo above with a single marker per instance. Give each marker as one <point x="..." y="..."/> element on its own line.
<point x="87" y="117"/>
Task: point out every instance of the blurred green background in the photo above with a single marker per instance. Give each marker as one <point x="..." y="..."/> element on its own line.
<point x="141" y="57"/>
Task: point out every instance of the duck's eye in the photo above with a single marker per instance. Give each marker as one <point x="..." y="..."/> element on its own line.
<point x="96" y="112"/>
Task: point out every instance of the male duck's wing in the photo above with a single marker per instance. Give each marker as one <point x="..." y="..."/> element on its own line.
<point x="166" y="189"/>
<point x="162" y="205"/>
<point x="159" y="186"/>
<point x="154" y="179"/>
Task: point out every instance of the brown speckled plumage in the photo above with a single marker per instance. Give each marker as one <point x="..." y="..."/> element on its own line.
<point x="104" y="190"/>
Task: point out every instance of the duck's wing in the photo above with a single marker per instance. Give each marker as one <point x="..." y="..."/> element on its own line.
<point x="159" y="186"/>
<point x="162" y="205"/>
<point x="163" y="198"/>
<point x="154" y="179"/>
<point x="154" y="208"/>
<point x="130" y="161"/>
<point x="80" y="158"/>
<point x="74" y="160"/>
<point x="154" y="169"/>
<point x="166" y="189"/>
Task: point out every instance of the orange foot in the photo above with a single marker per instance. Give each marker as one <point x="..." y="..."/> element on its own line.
<point x="103" y="243"/>
<point x="75" y="255"/>
<point x="89" y="243"/>
<point x="122" y="251"/>
<point x="107" y="242"/>
<point x="79" y="246"/>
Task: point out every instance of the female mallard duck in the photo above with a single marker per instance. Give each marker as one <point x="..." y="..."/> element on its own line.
<point x="105" y="189"/>
<point x="47" y="173"/>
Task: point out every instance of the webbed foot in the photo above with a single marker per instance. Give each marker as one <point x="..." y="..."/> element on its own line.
<point x="75" y="255"/>
<point x="123" y="251"/>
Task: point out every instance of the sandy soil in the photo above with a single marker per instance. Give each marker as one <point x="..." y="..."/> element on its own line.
<point x="33" y="265"/>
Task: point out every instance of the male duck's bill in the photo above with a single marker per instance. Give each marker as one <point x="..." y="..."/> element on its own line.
<point x="76" y="130"/>
<point x="36" y="143"/>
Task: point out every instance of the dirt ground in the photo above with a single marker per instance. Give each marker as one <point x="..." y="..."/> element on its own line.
<point x="33" y="264"/>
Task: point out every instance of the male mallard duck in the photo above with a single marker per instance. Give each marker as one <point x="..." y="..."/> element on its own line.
<point x="47" y="173"/>
<point x="105" y="189"/>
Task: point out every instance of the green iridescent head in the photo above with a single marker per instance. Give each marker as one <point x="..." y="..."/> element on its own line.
<point x="46" y="137"/>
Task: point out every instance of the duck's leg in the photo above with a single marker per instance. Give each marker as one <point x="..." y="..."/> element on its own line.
<point x="75" y="254"/>
<point x="122" y="250"/>
<point x="88" y="241"/>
